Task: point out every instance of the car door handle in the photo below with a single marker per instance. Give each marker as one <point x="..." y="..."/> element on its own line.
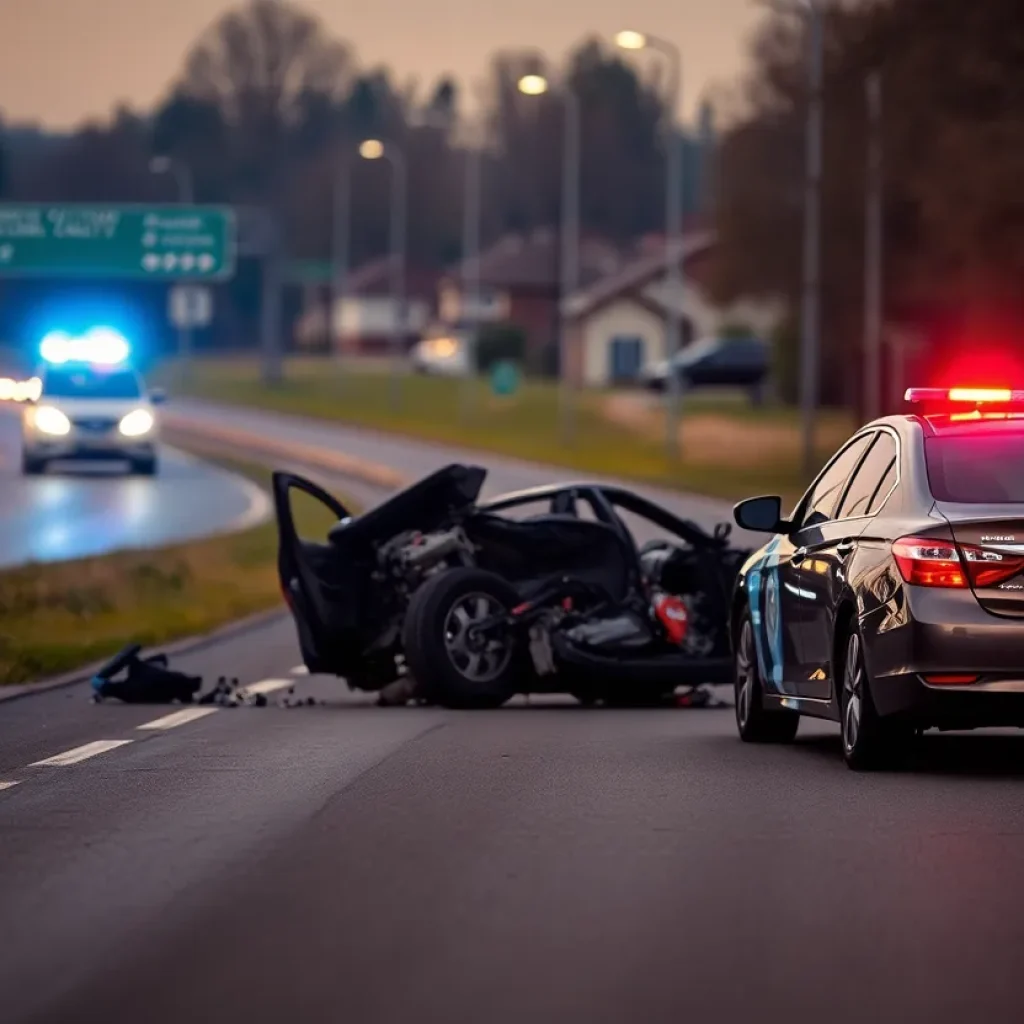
<point x="845" y="548"/>
<point x="798" y="556"/>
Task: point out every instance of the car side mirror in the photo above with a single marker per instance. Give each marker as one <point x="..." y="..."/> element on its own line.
<point x="158" y="396"/>
<point x="761" y="515"/>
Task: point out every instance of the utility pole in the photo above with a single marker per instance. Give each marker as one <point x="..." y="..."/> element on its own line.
<point x="570" y="249"/>
<point x="810" y="342"/>
<point x="873" y="249"/>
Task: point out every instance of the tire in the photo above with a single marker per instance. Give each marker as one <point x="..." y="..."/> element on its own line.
<point x="755" y="723"/>
<point x="445" y="661"/>
<point x="145" y="467"/>
<point x="870" y="742"/>
<point x="32" y="467"/>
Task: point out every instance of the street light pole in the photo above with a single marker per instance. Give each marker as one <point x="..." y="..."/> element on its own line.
<point x="398" y="297"/>
<point x="471" y="214"/>
<point x="810" y="342"/>
<point x="873" y="250"/>
<point x="339" y="250"/>
<point x="569" y="271"/>
<point x="183" y="177"/>
<point x="674" y="272"/>
<point x="570" y="260"/>
<point x="374" y="149"/>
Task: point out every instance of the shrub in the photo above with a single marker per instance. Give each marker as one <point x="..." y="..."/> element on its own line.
<point x="498" y="343"/>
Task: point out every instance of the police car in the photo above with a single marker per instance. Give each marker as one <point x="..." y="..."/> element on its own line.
<point x="92" y="405"/>
<point x="891" y="599"/>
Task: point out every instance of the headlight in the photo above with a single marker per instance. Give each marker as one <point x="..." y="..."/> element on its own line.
<point x="52" y="421"/>
<point x="137" y="423"/>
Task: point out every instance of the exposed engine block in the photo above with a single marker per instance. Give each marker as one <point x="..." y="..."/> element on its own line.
<point x="413" y="556"/>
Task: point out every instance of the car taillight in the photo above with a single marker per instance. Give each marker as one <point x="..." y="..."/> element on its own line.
<point x="926" y="562"/>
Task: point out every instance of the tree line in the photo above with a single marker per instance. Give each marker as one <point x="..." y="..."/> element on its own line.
<point x="952" y="132"/>
<point x="267" y="103"/>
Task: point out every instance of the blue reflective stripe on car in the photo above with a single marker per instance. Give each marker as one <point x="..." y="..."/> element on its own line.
<point x="763" y="581"/>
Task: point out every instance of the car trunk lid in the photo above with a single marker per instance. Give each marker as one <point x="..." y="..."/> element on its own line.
<point x="991" y="549"/>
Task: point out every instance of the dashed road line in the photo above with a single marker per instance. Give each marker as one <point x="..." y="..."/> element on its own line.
<point x="267" y="686"/>
<point x="300" y="670"/>
<point x="78" y="754"/>
<point x="172" y="721"/>
<point x="7" y="785"/>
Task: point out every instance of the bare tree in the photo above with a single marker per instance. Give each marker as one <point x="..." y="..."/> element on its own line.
<point x="259" y="66"/>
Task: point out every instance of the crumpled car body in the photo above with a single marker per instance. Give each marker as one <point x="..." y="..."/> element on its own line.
<point x="577" y="597"/>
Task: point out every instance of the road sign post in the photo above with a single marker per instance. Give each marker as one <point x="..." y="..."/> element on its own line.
<point x="158" y="243"/>
<point x="190" y="306"/>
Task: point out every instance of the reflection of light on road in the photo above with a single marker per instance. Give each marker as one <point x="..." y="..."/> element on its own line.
<point x="140" y="499"/>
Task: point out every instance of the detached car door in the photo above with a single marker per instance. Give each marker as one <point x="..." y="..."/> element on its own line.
<point x="315" y="594"/>
<point x="811" y="581"/>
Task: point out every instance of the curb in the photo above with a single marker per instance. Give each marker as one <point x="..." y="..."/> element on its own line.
<point x="186" y="645"/>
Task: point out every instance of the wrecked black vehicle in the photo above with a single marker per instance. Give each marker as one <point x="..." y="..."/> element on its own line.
<point x="539" y="591"/>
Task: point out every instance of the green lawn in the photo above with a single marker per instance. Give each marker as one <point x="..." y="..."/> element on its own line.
<point x="57" y="617"/>
<point x="729" y="449"/>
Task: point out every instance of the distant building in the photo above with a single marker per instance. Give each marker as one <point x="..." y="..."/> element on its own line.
<point x="618" y="323"/>
<point x="365" y="319"/>
<point x="519" y="282"/>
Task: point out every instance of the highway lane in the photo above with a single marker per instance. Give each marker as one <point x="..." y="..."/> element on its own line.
<point x="92" y="510"/>
<point x="543" y="862"/>
<point x="417" y="458"/>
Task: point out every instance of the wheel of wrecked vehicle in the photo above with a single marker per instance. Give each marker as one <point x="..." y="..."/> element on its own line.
<point x="756" y="724"/>
<point x="454" y="662"/>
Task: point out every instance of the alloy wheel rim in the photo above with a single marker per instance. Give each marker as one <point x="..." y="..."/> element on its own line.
<point x="744" y="675"/>
<point x="478" y="658"/>
<point x="853" y="686"/>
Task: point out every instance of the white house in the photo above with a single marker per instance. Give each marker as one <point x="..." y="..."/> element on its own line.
<point x="618" y="324"/>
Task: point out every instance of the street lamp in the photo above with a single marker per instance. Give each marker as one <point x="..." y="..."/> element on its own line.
<point x="628" y="39"/>
<point x="183" y="176"/>
<point x="375" y="149"/>
<point x="537" y="85"/>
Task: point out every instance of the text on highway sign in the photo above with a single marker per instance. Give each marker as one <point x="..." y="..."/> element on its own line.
<point x="158" y="242"/>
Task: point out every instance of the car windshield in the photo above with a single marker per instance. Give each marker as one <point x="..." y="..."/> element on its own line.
<point x="90" y="383"/>
<point x="980" y="470"/>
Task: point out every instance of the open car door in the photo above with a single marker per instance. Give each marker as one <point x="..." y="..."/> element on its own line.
<point x="318" y="594"/>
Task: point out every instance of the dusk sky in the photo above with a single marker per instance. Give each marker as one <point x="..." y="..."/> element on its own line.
<point x="64" y="60"/>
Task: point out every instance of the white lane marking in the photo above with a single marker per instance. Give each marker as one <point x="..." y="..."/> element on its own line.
<point x="79" y="754"/>
<point x="6" y="785"/>
<point x="268" y="686"/>
<point x="172" y="721"/>
<point x="300" y="670"/>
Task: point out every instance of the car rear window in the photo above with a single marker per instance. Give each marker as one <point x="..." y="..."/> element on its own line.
<point x="89" y="383"/>
<point x="972" y="469"/>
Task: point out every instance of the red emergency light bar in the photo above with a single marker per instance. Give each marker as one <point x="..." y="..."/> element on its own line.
<point x="969" y="396"/>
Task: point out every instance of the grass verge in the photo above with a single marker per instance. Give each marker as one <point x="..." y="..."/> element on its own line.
<point x="729" y="449"/>
<point x="57" y="617"/>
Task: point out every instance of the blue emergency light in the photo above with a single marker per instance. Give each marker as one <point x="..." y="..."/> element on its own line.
<point x="99" y="346"/>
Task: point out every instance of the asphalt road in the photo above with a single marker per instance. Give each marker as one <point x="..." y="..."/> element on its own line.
<point x="76" y="511"/>
<point x="542" y="863"/>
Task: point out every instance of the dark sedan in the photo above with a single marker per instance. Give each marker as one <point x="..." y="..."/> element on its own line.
<point x="891" y="600"/>
<point x="730" y="362"/>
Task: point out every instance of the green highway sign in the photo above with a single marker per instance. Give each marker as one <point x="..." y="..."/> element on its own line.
<point x="159" y="243"/>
